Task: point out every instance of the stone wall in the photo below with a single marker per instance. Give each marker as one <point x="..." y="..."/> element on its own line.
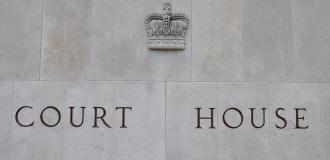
<point x="239" y="53"/>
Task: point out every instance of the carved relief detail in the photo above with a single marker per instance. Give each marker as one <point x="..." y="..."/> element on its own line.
<point x="167" y="30"/>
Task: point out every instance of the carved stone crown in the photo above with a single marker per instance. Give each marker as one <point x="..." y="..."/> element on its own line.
<point x="167" y="30"/>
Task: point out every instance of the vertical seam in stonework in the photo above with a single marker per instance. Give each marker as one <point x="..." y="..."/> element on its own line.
<point x="321" y="124"/>
<point x="140" y="49"/>
<point x="114" y="92"/>
<point x="241" y="38"/>
<point x="114" y="83"/>
<point x="269" y="119"/>
<point x="165" y="118"/>
<point x="91" y="40"/>
<point x="62" y="128"/>
<point x="11" y="119"/>
<point x="293" y="52"/>
<point x="41" y="36"/>
<point x="191" y="41"/>
<point x="242" y="78"/>
<point x="218" y="125"/>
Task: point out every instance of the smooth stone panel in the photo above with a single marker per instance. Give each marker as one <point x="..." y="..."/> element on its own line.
<point x="66" y="39"/>
<point x="183" y="140"/>
<point x="325" y="120"/>
<point x="37" y="142"/>
<point x="169" y="65"/>
<point x="20" y="32"/>
<point x="311" y="40"/>
<point x="5" y="119"/>
<point x="85" y="142"/>
<point x="144" y="137"/>
<point x="245" y="142"/>
<point x="115" y="41"/>
<point x="267" y="40"/>
<point x="291" y="143"/>
<point x="216" y="44"/>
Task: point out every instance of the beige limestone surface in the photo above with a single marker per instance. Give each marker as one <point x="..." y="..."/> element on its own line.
<point x="239" y="53"/>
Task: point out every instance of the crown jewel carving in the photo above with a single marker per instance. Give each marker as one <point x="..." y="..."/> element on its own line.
<point x="167" y="30"/>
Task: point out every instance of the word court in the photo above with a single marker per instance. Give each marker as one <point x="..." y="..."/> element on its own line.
<point x="98" y="118"/>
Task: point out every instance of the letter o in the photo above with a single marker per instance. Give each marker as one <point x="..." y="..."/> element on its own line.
<point x="42" y="118"/>
<point x="224" y="119"/>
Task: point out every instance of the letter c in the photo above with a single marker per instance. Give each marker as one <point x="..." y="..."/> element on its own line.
<point x="17" y="120"/>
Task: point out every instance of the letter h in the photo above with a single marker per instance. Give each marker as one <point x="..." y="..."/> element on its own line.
<point x="199" y="118"/>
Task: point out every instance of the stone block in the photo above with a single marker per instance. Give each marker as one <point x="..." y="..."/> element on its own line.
<point x="5" y="119"/>
<point x="115" y="41"/>
<point x="245" y="142"/>
<point x="216" y="40"/>
<point x="66" y="39"/>
<point x="267" y="40"/>
<point x="20" y="32"/>
<point x="325" y="120"/>
<point x="311" y="38"/>
<point x="144" y="137"/>
<point x="86" y="142"/>
<point x="37" y="142"/>
<point x="291" y="143"/>
<point x="183" y="140"/>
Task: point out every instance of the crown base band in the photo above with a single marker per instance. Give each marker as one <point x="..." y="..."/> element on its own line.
<point x="166" y="44"/>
